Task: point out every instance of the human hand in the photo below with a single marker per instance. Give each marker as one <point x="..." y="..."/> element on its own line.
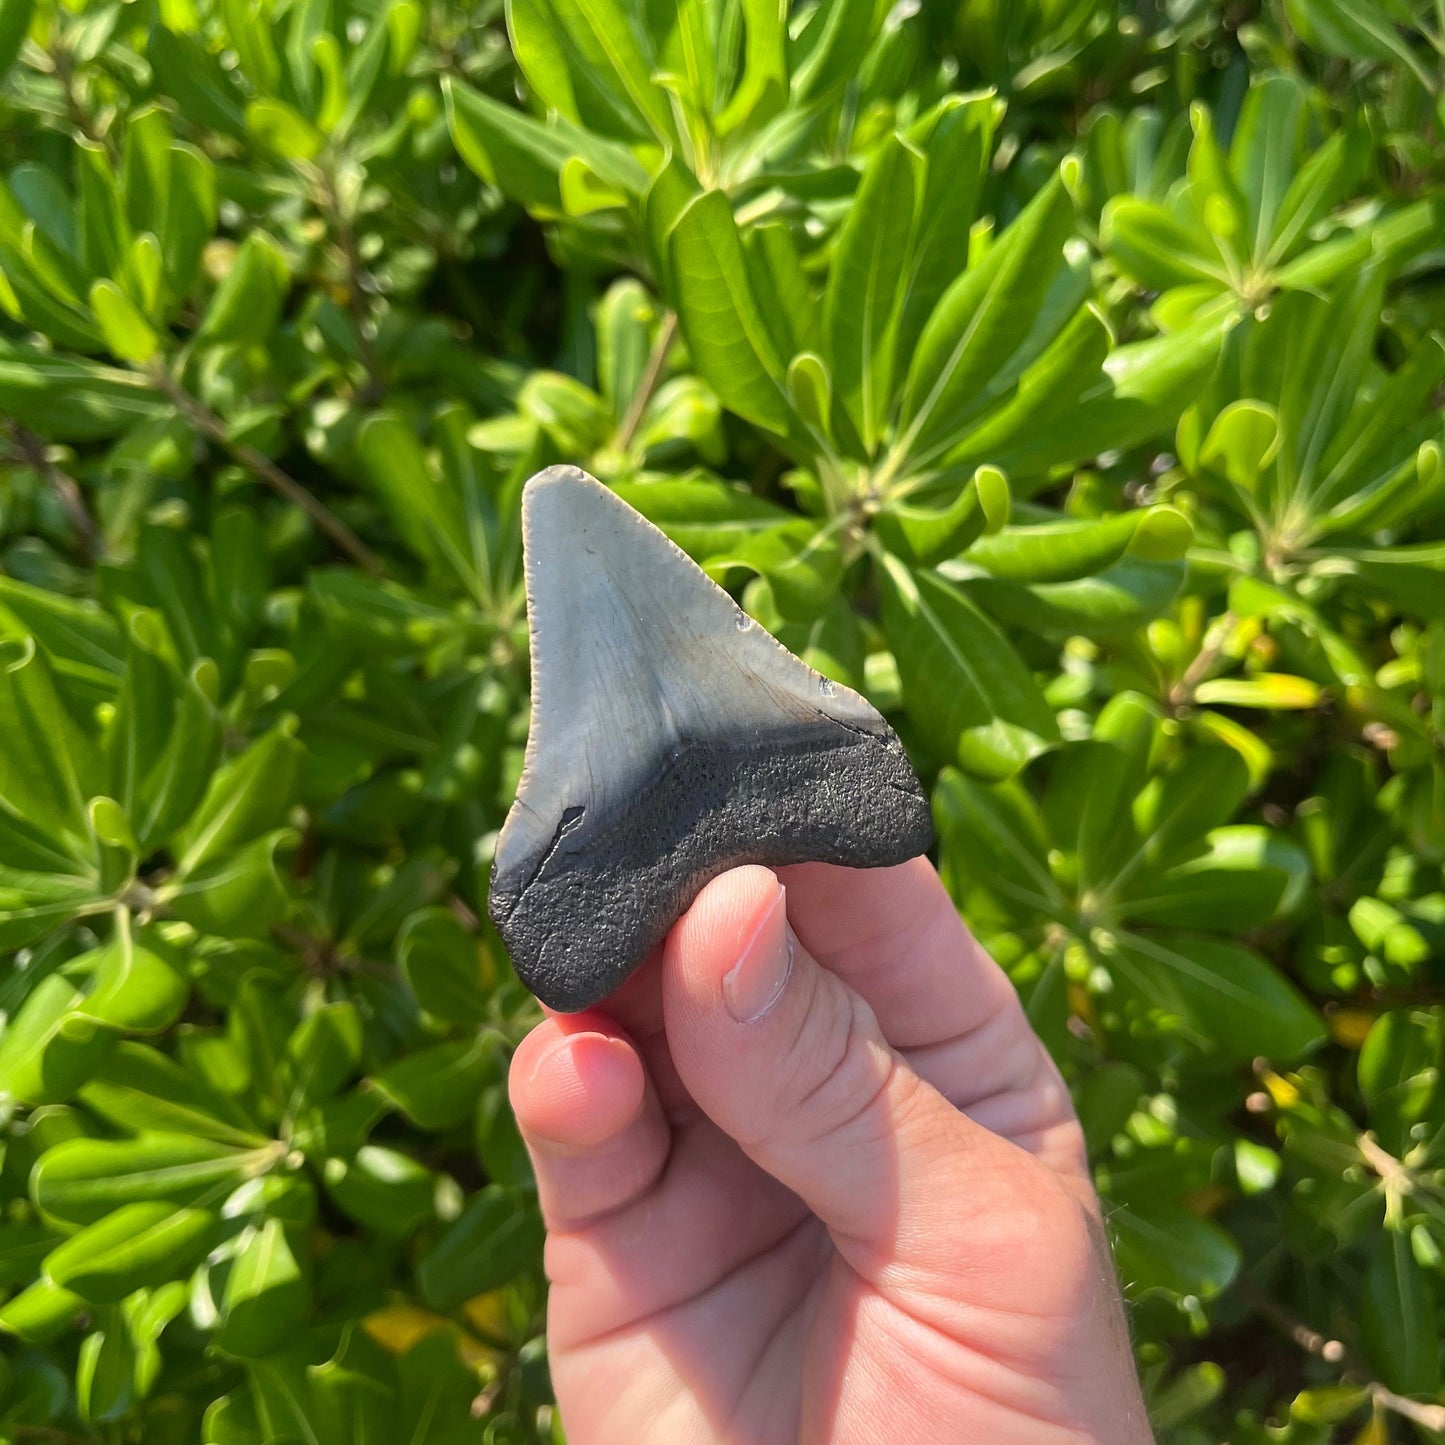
<point x="834" y="1200"/>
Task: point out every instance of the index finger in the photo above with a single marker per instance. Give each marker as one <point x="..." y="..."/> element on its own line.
<point x="895" y="937"/>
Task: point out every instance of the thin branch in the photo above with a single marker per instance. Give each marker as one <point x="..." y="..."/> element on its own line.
<point x="32" y="450"/>
<point x="1183" y="691"/>
<point x="79" y="117"/>
<point x="656" y="362"/>
<point x="200" y="415"/>
<point x="1333" y="1352"/>
<point x="355" y="292"/>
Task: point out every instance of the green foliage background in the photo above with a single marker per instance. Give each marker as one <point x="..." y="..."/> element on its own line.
<point x="1066" y="374"/>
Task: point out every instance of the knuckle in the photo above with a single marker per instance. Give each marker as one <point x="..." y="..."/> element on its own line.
<point x="839" y="1065"/>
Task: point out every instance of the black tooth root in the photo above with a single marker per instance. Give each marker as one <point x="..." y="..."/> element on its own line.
<point x="606" y="893"/>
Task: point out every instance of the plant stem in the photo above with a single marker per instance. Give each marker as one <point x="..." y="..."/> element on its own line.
<point x="201" y="416"/>
<point x="1183" y="691"/>
<point x="31" y="448"/>
<point x="79" y="117"/>
<point x="356" y="300"/>
<point x="1333" y="1352"/>
<point x="656" y="362"/>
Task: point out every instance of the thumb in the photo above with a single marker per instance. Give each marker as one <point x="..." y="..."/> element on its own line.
<point x="787" y="1059"/>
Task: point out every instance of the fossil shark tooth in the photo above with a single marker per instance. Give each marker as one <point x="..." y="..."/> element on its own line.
<point x="672" y="738"/>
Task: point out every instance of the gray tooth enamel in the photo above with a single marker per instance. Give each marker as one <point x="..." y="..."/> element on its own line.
<point x="671" y="739"/>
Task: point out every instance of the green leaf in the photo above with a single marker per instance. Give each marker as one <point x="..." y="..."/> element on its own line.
<point x="1409" y="578"/>
<point x="1140" y="395"/>
<point x="978" y="339"/>
<point x="36" y="903"/>
<point x="48" y="1049"/>
<point x="589" y="60"/>
<point x="1247" y="876"/>
<point x="40" y="1312"/>
<point x="266" y="1295"/>
<point x="436" y="1088"/>
<point x="671" y="190"/>
<point x="1325" y="179"/>
<point x="1092" y="785"/>
<point x="280" y="128"/>
<point x="82" y="1181"/>
<point x="1158" y="250"/>
<point x="499" y="1142"/>
<point x="163" y="774"/>
<point x="626" y="316"/>
<point x="137" y="983"/>
<point x="80" y="640"/>
<point x="381" y="1189"/>
<point x="726" y="334"/>
<point x="190" y="217"/>
<point x="496" y="1237"/>
<point x="145" y="167"/>
<point x="863" y="304"/>
<point x="924" y="536"/>
<point x="825" y="55"/>
<point x="1111" y="604"/>
<point x="1354" y="30"/>
<point x="1213" y="194"/>
<point x="1071" y="365"/>
<point x="127" y="333"/>
<point x="1175" y="811"/>
<point x="1265" y="148"/>
<point x="443" y="966"/>
<point x="963" y="684"/>
<point x="65" y="399"/>
<point x="1399" y="1319"/>
<point x="106" y="1370"/>
<point x="14" y="22"/>
<point x="995" y="848"/>
<point x="247" y="304"/>
<point x="1224" y="999"/>
<point x="763" y="89"/>
<point x="525" y="158"/>
<point x="250" y="795"/>
<point x="49" y="766"/>
<point x="802" y="564"/>
<point x="705" y="518"/>
<point x="956" y="139"/>
<point x="1331" y="1405"/>
<point x="325" y="1051"/>
<point x="135" y="1246"/>
<point x="436" y="1385"/>
<point x="139" y="1089"/>
<point x="100" y="218"/>
<point x="1399" y="1074"/>
<point x="1243" y="439"/>
<point x="1162" y="1246"/>
<point x="1061" y="551"/>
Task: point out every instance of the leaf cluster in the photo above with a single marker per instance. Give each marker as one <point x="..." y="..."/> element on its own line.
<point x="1065" y="375"/>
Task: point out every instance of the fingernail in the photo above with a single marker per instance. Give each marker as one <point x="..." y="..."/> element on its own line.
<point x="756" y="981"/>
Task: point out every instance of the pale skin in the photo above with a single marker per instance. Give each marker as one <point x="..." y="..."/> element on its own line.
<point x="839" y="1199"/>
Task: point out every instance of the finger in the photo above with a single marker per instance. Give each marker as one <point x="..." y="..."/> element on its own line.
<point x="791" y="1062"/>
<point x="589" y="1116"/>
<point x="894" y="936"/>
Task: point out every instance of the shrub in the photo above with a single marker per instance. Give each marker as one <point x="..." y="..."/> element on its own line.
<point x="1065" y="374"/>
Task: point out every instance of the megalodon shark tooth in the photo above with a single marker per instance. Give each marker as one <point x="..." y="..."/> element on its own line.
<point x="672" y="738"/>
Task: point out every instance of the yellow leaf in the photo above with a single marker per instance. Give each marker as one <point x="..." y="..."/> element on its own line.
<point x="397" y="1327"/>
<point x="1273" y="690"/>
<point x="1375" y="1433"/>
<point x="1284" y="1093"/>
<point x="1348" y="1026"/>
